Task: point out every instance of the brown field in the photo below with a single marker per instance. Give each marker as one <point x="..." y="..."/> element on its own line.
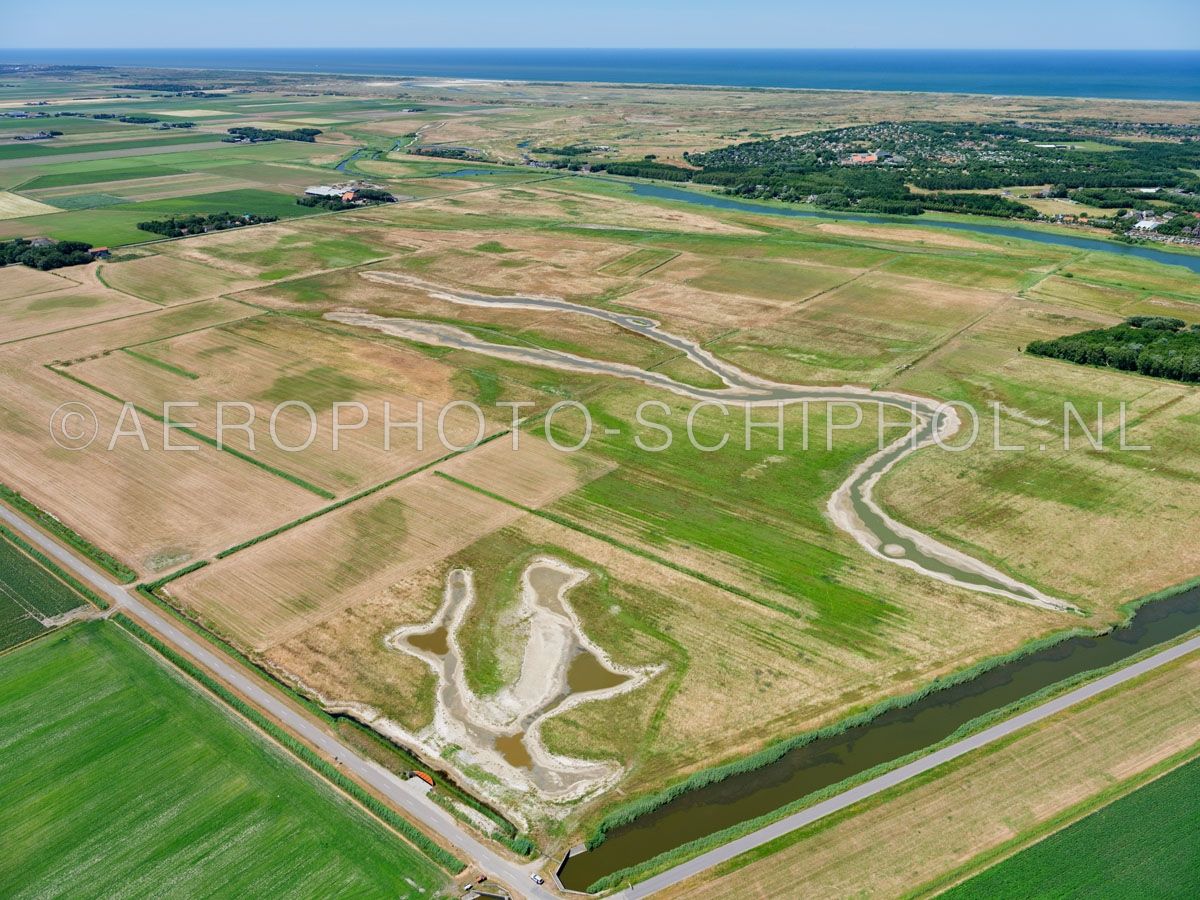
<point x="267" y="361"/>
<point x="917" y="832"/>
<point x="152" y="509"/>
<point x="19" y="282"/>
<point x="55" y="310"/>
<point x="278" y="588"/>
<point x="929" y="237"/>
<point x="166" y="280"/>
<point x="862" y="332"/>
<point x="14" y="206"/>
<point x="1073" y="520"/>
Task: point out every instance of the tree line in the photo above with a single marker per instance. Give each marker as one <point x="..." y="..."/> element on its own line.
<point x="1158" y="346"/>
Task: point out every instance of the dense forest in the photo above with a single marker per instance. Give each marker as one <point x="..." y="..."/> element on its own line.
<point x="44" y="256"/>
<point x="1150" y="345"/>
<point x="907" y="168"/>
<point x="178" y="226"/>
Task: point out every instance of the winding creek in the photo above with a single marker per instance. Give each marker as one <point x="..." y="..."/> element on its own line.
<point x="852" y="506"/>
<point x="800" y="768"/>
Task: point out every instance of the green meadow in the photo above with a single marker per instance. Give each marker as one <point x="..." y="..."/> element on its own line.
<point x="120" y="779"/>
<point x="1142" y="845"/>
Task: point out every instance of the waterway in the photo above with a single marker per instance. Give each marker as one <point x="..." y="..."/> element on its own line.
<point x="887" y="737"/>
<point x="1077" y="242"/>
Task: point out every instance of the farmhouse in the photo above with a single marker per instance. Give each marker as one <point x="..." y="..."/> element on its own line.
<point x="322" y="190"/>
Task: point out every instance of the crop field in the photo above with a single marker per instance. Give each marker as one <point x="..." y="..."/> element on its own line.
<point x="164" y="279"/>
<point x="1111" y="850"/>
<point x="68" y="306"/>
<point x="131" y="500"/>
<point x="29" y="595"/>
<point x="272" y="590"/>
<point x="166" y="788"/>
<point x="930" y="832"/>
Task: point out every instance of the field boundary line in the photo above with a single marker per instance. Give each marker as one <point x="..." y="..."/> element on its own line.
<point x="200" y="436"/>
<point x="366" y="492"/>
<point x="621" y="545"/>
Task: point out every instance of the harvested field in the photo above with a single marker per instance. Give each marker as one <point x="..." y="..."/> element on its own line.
<point x="276" y="252"/>
<point x="271" y="360"/>
<point x="276" y="589"/>
<point x="152" y="509"/>
<point x="14" y="206"/>
<point x="533" y="474"/>
<point x="66" y="307"/>
<point x="164" y="279"/>
<point x="905" y="234"/>
<point x="862" y="332"/>
<point x="17" y="282"/>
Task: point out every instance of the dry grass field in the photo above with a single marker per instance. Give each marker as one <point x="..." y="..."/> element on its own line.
<point x="269" y="592"/>
<point x="998" y="798"/>
<point x="166" y="280"/>
<point x="14" y="206"/>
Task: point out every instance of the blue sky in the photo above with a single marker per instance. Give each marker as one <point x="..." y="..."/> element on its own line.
<point x="1024" y="24"/>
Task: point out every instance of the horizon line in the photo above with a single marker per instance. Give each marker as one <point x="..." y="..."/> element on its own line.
<point x="359" y="47"/>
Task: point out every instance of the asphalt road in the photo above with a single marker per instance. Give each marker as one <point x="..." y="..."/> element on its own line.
<point x="904" y="773"/>
<point x="410" y="795"/>
<point x="407" y="795"/>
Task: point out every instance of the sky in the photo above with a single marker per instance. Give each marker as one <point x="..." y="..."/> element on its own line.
<point x="1009" y="24"/>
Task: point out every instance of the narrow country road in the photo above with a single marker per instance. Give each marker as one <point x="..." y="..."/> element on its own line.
<point x="410" y="795"/>
<point x="407" y="795"/>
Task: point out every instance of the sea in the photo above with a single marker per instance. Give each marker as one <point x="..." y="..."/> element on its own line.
<point x="1142" y="75"/>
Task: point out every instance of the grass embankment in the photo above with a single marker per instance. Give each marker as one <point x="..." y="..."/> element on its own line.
<point x="101" y="558"/>
<point x="1112" y="852"/>
<point x="165" y="789"/>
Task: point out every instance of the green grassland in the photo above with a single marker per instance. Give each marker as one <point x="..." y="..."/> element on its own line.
<point x="28" y="593"/>
<point x="120" y="779"/>
<point x="1141" y="845"/>
<point x="756" y="511"/>
<point x="115" y="224"/>
<point x="34" y="150"/>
